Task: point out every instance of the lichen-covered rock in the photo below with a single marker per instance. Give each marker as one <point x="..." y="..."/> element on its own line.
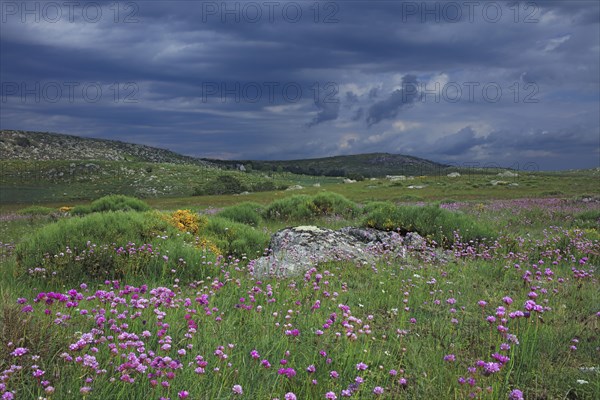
<point x="414" y="241"/>
<point x="296" y="250"/>
<point x="375" y="237"/>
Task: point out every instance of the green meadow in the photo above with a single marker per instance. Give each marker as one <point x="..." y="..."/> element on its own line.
<point x="153" y="295"/>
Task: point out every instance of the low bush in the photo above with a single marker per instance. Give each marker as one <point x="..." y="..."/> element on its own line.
<point x="110" y="245"/>
<point x="115" y="202"/>
<point x="432" y="222"/>
<point x="187" y="221"/>
<point x="293" y="208"/>
<point x="248" y="213"/>
<point x="81" y="210"/>
<point x="36" y="211"/>
<point x="264" y="186"/>
<point x="329" y="203"/>
<point x="304" y="207"/>
<point x="587" y="219"/>
<point x="235" y="238"/>
<point x="222" y="184"/>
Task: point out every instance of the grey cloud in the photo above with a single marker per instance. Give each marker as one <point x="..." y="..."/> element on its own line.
<point x="358" y="114"/>
<point x="457" y="143"/>
<point x="351" y="97"/>
<point x="399" y="98"/>
<point x="373" y="93"/>
<point x="328" y="112"/>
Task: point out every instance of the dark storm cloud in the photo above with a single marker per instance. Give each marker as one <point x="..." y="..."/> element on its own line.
<point x="457" y="143"/>
<point x="196" y="72"/>
<point x="328" y="111"/>
<point x="351" y="97"/>
<point x="576" y="138"/>
<point x="399" y="98"/>
<point x="358" y="114"/>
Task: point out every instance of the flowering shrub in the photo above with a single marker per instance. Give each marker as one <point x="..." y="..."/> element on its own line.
<point x="187" y="221"/>
<point x="208" y="245"/>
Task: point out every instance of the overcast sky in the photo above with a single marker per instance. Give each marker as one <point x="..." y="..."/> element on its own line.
<point x="463" y="82"/>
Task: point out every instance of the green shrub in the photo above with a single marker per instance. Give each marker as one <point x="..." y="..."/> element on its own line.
<point x="385" y="216"/>
<point x="329" y="203"/>
<point x="85" y="248"/>
<point x="248" y="213"/>
<point x="355" y="176"/>
<point x="431" y="222"/>
<point x="81" y="210"/>
<point x="237" y="239"/>
<point x="264" y="186"/>
<point x="587" y="219"/>
<point x="222" y="184"/>
<point x="116" y="202"/>
<point x="304" y="207"/>
<point x="293" y="208"/>
<point x="36" y="211"/>
<point x="377" y="205"/>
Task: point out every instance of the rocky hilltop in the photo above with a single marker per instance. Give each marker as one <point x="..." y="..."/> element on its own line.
<point x="41" y="146"/>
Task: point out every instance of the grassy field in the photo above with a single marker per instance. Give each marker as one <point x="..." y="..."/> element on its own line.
<point x="162" y="303"/>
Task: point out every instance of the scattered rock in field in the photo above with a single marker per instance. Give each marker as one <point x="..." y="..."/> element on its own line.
<point x="414" y="241"/>
<point x="416" y="186"/>
<point x="501" y="183"/>
<point x="395" y="178"/>
<point x="296" y="250"/>
<point x="374" y="237"/>
<point x="295" y="187"/>
<point x="349" y="180"/>
<point x="508" y="174"/>
<point x="453" y="175"/>
<point x="317" y="184"/>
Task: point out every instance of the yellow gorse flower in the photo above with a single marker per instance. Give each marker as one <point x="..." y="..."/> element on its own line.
<point x="187" y="221"/>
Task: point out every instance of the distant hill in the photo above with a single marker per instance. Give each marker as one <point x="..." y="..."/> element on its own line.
<point x="351" y="166"/>
<point x="41" y="146"/>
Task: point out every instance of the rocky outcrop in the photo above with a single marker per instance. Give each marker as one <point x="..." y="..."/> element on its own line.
<point x="40" y="146"/>
<point x="296" y="250"/>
